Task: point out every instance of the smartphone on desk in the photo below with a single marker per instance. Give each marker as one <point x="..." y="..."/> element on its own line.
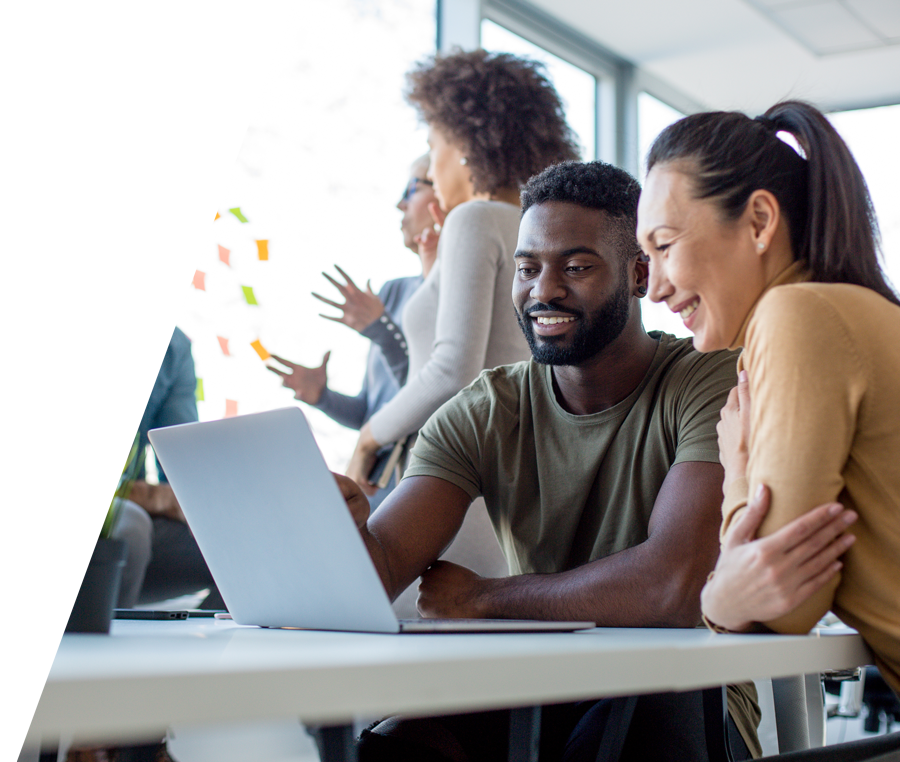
<point x="148" y="614"/>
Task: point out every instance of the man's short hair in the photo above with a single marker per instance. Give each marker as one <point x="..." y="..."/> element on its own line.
<point x="593" y="185"/>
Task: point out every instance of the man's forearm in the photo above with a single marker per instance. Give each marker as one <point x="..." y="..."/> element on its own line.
<point x="623" y="590"/>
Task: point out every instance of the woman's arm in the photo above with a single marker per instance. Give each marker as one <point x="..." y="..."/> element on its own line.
<point x="471" y="246"/>
<point x="806" y="384"/>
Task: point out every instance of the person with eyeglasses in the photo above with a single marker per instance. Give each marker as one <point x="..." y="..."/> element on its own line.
<point x="378" y="317"/>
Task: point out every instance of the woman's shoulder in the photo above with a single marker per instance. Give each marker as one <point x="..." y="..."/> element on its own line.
<point x="485" y="212"/>
<point x="821" y="304"/>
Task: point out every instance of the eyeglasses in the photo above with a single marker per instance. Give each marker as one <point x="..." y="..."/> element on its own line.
<point x="413" y="186"/>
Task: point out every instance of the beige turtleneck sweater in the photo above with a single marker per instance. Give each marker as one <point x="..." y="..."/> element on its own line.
<point x="823" y="361"/>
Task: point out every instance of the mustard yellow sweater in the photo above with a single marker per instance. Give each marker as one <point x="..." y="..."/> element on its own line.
<point x="824" y="368"/>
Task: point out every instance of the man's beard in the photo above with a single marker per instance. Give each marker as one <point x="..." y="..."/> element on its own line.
<point x="592" y="334"/>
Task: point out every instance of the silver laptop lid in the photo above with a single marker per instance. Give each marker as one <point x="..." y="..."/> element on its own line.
<point x="271" y="523"/>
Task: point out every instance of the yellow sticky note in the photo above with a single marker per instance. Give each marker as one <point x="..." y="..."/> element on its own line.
<point x="198" y="392"/>
<point x="249" y="296"/>
<point x="237" y="213"/>
<point x="224" y="255"/>
<point x="230" y="408"/>
<point x="260" y="350"/>
<point x="263" y="247"/>
<point x="199" y="281"/>
<point x="223" y="342"/>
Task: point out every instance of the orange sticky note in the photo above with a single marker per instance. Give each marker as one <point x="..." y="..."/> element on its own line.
<point x="199" y="281"/>
<point x="217" y="216"/>
<point x="260" y="350"/>
<point x="230" y="408"/>
<point x="224" y="255"/>
<point x="263" y="247"/>
<point x="224" y="344"/>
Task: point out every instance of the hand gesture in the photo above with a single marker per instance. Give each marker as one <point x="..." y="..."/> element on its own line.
<point x="733" y="429"/>
<point x="360" y="308"/>
<point x="307" y="383"/>
<point x="761" y="580"/>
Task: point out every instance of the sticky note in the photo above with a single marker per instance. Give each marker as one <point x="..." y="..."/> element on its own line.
<point x="224" y="255"/>
<point x="199" y="281"/>
<point x="198" y="392"/>
<point x="248" y="295"/>
<point x="217" y="216"/>
<point x="230" y="408"/>
<point x="237" y="213"/>
<point x="263" y="247"/>
<point x="224" y="344"/>
<point x="260" y="350"/>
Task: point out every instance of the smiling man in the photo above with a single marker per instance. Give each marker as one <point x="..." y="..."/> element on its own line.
<point x="599" y="466"/>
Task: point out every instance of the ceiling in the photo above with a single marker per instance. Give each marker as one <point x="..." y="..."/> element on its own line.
<point x="748" y="54"/>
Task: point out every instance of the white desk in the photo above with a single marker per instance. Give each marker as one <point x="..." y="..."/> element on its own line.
<point x="148" y="675"/>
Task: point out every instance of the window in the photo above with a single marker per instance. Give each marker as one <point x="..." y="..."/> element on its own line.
<point x="322" y="166"/>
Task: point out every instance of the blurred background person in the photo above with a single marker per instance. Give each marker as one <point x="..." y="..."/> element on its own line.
<point x="494" y="120"/>
<point x="163" y="558"/>
<point x="378" y="318"/>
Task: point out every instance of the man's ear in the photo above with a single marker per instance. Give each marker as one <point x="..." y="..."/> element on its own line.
<point x="641" y="275"/>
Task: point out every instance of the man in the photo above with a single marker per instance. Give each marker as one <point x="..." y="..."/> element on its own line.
<point x="599" y="466"/>
<point x="163" y="558"/>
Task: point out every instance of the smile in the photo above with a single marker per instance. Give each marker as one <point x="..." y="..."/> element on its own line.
<point x="554" y="320"/>
<point x="690" y="309"/>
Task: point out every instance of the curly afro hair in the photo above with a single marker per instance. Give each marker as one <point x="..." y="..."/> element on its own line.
<point x="501" y="110"/>
<point x="594" y="185"/>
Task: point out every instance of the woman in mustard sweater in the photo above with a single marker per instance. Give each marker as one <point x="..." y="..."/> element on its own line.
<point x="761" y="234"/>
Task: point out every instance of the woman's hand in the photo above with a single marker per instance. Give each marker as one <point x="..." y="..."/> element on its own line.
<point x="733" y="429"/>
<point x="360" y="308"/>
<point x="760" y="580"/>
<point x="307" y="383"/>
<point x="363" y="460"/>
<point x="427" y="240"/>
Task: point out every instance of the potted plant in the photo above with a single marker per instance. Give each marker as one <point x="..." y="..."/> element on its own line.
<point x="96" y="600"/>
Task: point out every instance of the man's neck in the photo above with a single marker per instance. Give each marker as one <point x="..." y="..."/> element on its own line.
<point x="609" y="377"/>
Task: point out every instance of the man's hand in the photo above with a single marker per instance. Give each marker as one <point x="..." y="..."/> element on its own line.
<point x="360" y="308"/>
<point x="357" y="502"/>
<point x="157" y="500"/>
<point x="363" y="460"/>
<point x="449" y="591"/>
<point x="734" y="432"/>
<point x="761" y="580"/>
<point x="307" y="383"/>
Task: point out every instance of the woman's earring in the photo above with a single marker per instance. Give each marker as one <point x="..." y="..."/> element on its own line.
<point x="760" y="246"/>
<point x="464" y="161"/>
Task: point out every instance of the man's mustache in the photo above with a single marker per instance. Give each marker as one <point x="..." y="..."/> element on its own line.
<point x="541" y="307"/>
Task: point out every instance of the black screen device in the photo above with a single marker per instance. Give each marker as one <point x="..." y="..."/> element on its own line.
<point x="386" y="460"/>
<point x="144" y="614"/>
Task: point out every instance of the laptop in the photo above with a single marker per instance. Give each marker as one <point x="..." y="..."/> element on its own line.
<point x="276" y="534"/>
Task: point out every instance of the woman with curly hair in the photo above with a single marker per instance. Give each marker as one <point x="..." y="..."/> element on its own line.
<point x="494" y="120"/>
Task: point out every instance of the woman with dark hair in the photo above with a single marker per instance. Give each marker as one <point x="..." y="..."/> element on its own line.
<point x="762" y="235"/>
<point x="494" y="120"/>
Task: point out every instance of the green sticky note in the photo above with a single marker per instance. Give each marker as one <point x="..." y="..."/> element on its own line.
<point x="248" y="295"/>
<point x="198" y="392"/>
<point x="237" y="213"/>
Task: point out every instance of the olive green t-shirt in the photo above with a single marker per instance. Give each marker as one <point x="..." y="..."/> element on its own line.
<point x="562" y="489"/>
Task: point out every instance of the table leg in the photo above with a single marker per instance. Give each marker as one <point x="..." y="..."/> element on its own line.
<point x="715" y="720"/>
<point x="524" y="734"/>
<point x="336" y="743"/>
